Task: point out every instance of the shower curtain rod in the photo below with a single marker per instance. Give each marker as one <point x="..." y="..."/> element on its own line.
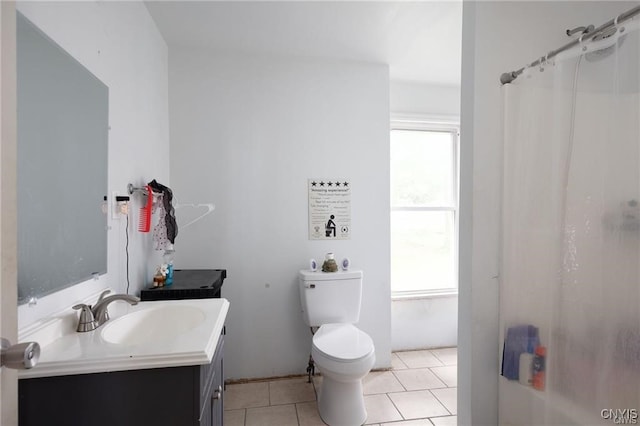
<point x="508" y="77"/>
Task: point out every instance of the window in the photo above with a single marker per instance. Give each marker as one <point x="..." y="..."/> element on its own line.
<point x="424" y="208"/>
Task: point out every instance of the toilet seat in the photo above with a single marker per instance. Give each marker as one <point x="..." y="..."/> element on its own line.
<point x="342" y="342"/>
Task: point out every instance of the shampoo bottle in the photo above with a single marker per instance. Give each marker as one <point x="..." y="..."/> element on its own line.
<point x="525" y="371"/>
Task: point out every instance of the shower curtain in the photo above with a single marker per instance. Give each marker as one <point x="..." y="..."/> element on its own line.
<point x="571" y="233"/>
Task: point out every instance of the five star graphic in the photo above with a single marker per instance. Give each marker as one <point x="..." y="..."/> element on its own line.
<point x="329" y="183"/>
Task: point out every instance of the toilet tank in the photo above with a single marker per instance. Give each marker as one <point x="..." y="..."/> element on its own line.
<point x="330" y="297"/>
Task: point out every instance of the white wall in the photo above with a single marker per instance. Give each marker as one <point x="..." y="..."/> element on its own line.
<point x="425" y="322"/>
<point x="247" y="133"/>
<point x="497" y="37"/>
<point x="408" y="97"/>
<point x="120" y="44"/>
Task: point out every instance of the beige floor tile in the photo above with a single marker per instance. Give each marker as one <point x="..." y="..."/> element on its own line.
<point x="447" y="397"/>
<point x="396" y="362"/>
<point x="308" y="414"/>
<point x="448" y="356"/>
<point x="246" y="395"/>
<point x="418" y="379"/>
<point x="380" y="409"/>
<point x="419" y="422"/>
<point x="419" y="359"/>
<point x="418" y="404"/>
<point x="445" y="421"/>
<point x="381" y="382"/>
<point x="276" y="415"/>
<point x="291" y="391"/>
<point x="448" y="374"/>
<point x="429" y="377"/>
<point x="234" y="417"/>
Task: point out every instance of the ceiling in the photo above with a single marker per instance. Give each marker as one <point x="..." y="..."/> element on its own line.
<point x="421" y="41"/>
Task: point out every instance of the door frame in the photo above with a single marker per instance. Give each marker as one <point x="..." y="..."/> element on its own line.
<point x="8" y="210"/>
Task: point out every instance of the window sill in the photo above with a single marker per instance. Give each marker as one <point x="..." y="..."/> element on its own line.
<point x="425" y="295"/>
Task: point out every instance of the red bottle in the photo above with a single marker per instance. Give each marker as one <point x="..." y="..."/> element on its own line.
<point x="538" y="378"/>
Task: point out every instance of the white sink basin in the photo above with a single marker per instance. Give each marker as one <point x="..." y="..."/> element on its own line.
<point x="152" y="325"/>
<point x="156" y="334"/>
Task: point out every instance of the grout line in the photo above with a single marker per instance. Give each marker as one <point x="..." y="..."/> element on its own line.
<point x="446" y="385"/>
<point x="437" y="357"/>
<point x="441" y="403"/>
<point x="395" y="406"/>
<point x="295" y="407"/>
<point x="400" y="359"/>
<point x="400" y="381"/>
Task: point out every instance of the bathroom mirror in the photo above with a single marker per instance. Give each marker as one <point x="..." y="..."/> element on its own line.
<point x="62" y="152"/>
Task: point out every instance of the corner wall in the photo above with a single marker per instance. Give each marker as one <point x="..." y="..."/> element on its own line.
<point x="8" y="212"/>
<point x="120" y="44"/>
<point x="247" y="133"/>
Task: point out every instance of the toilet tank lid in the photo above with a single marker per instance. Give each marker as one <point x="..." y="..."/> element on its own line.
<point x="307" y="275"/>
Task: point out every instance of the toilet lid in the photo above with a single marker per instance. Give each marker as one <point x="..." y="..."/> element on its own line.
<point x="342" y="342"/>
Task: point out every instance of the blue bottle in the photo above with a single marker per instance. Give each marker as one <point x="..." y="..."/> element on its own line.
<point x="168" y="260"/>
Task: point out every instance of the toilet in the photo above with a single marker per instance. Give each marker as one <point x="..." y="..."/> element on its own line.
<point x="341" y="352"/>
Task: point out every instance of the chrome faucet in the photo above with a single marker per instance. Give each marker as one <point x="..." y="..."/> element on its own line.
<point x="99" y="310"/>
<point x="92" y="317"/>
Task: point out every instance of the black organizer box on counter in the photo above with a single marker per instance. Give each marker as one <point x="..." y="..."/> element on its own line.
<point x="188" y="284"/>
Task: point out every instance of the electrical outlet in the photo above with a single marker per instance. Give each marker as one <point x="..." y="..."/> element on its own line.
<point x="120" y="205"/>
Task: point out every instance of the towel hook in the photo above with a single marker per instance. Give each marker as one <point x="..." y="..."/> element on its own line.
<point x="131" y="189"/>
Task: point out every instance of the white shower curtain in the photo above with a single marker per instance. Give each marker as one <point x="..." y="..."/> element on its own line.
<point x="571" y="233"/>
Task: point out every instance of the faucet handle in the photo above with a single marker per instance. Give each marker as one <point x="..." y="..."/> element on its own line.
<point x="102" y="295"/>
<point x="87" y="322"/>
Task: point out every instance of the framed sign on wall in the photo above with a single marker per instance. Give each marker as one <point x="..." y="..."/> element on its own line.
<point x="329" y="209"/>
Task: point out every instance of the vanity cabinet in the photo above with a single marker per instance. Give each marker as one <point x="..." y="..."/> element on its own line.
<point x="172" y="396"/>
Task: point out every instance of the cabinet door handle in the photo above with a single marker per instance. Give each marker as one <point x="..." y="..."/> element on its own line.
<point x="217" y="394"/>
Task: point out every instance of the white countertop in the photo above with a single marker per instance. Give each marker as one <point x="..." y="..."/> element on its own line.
<point x="65" y="351"/>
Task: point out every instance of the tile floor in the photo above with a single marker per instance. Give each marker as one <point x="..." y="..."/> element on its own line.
<point x="419" y="390"/>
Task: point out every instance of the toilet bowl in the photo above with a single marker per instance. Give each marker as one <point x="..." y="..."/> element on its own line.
<point x="344" y="355"/>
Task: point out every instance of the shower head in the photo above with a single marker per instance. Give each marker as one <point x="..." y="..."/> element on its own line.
<point x="605" y="52"/>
